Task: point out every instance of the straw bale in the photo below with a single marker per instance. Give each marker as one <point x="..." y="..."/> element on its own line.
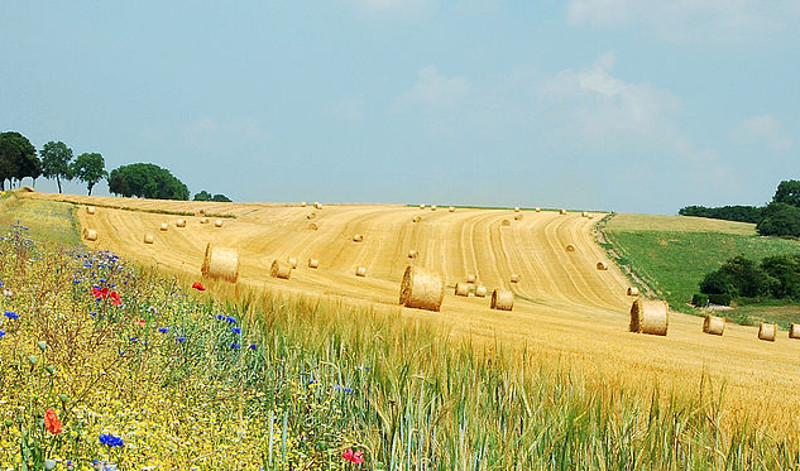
<point x="570" y="248"/>
<point x="767" y="332"/>
<point x="421" y="289"/>
<point x="602" y="266"/>
<point x="480" y="291"/>
<point x="422" y="206"/>
<point x="518" y="217"/>
<point x="433" y="207"/>
<point x="516" y="209"/>
<point x="538" y="209"/>
<point x="416" y="219"/>
<point x="452" y="209"/>
<point x="412" y="254"/>
<point x="633" y="291"/>
<point x="505" y="222"/>
<point x="292" y="262"/>
<point x="280" y="270"/>
<point x="303" y="204"/>
<point x="462" y="289"/>
<point x="714" y="325"/>
<point x="218" y="223"/>
<point x="90" y="210"/>
<point x="358" y="238"/>
<point x="514" y="278"/>
<point x="180" y="223"/>
<point x="313" y="226"/>
<point x="649" y="317"/>
<point x="164" y="226"/>
<point x="317" y="205"/>
<point x="794" y="331"/>
<point x="590" y="216"/>
<point x="584" y="214"/>
<point x="149" y="239"/>
<point x="502" y="300"/>
<point x="203" y="220"/>
<point x="313" y="263"/>
<point x="221" y="262"/>
<point x="361" y="271"/>
<point x="90" y="234"/>
<point x="201" y="212"/>
<point x="311" y="216"/>
<point x="562" y="211"/>
<point x="472" y="278"/>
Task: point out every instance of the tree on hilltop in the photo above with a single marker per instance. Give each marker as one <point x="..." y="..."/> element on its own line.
<point x="56" y="160"/>
<point x="89" y="168"/>
<point x="146" y="181"/>
<point x="17" y="158"/>
<point x="206" y="196"/>
<point x="788" y="192"/>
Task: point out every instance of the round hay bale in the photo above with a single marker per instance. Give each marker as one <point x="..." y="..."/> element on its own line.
<point x="433" y="207"/>
<point x="317" y="205"/>
<point x="90" y="234"/>
<point x="570" y="248"/>
<point x="562" y="211"/>
<point x="180" y="223"/>
<point x="584" y="214"/>
<point x="502" y="300"/>
<point x="313" y="226"/>
<point x="633" y="291"/>
<point x="649" y="317"/>
<point x="313" y="263"/>
<point x="480" y="291"/>
<point x="505" y="222"/>
<point x="516" y="209"/>
<point x="472" y="278"/>
<point x="452" y="209"/>
<point x="90" y="210"/>
<point x="518" y="217"/>
<point x="203" y="220"/>
<point x="422" y="206"/>
<point x="218" y="223"/>
<point x="164" y="226"/>
<point x="202" y="212"/>
<point x="590" y="216"/>
<point x="280" y="270"/>
<point x="303" y="204"/>
<point x="292" y="262"/>
<point x="149" y="239"/>
<point x="416" y="219"/>
<point x="794" y="331"/>
<point x="514" y="278"/>
<point x="361" y="271"/>
<point x="358" y="238"/>
<point x="767" y="332"/>
<point x="412" y="254"/>
<point x="421" y="289"/>
<point x="602" y="266"/>
<point x="538" y="209"/>
<point x="221" y="263"/>
<point x="714" y="325"/>
<point x="462" y="289"/>
<point x="311" y="216"/>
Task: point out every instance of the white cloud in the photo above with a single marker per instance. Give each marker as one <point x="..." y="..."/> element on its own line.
<point x="436" y="90"/>
<point x="762" y="130"/>
<point x="737" y="21"/>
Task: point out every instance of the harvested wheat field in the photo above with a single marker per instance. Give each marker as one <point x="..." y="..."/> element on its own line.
<point x="563" y="306"/>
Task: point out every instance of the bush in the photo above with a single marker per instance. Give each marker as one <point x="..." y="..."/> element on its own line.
<point x="780" y="219"/>
<point x="721" y="299"/>
<point x="700" y="300"/>
<point x="739" y="213"/>
<point x="738" y="276"/>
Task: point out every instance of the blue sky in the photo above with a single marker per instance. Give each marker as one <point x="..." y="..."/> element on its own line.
<point x="633" y="106"/>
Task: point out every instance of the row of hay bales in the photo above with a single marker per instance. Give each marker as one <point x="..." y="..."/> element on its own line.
<point x="92" y="235"/>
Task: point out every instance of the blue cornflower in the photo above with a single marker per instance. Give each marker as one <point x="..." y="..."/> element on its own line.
<point x="101" y="280"/>
<point x="348" y="390"/>
<point x="2" y="333"/>
<point x="181" y="339"/>
<point x="220" y="317"/>
<point x="11" y="315"/>
<point x="1" y="284"/>
<point x="163" y="330"/>
<point x="236" y="330"/>
<point x="93" y="314"/>
<point x="113" y="285"/>
<point x="253" y="346"/>
<point x="76" y="281"/>
<point x="232" y="320"/>
<point x="235" y="346"/>
<point x="134" y="339"/>
<point x="312" y="381"/>
<point x="110" y="440"/>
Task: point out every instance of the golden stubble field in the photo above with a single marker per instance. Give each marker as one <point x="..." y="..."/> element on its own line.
<point x="565" y="309"/>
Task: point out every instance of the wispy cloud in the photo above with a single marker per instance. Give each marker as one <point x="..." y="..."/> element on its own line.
<point x="716" y="21"/>
<point x="762" y="130"/>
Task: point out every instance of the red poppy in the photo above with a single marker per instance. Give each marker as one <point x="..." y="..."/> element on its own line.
<point x="354" y="457"/>
<point x="116" y="300"/>
<point x="51" y="422"/>
<point x="196" y="285"/>
<point x="100" y="293"/>
<point x="139" y="322"/>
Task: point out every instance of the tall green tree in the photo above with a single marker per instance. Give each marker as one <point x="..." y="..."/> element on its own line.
<point x="56" y="161"/>
<point x="206" y="196"/>
<point x="788" y="192"/>
<point x="17" y="158"/>
<point x="780" y="219"/>
<point x="146" y="181"/>
<point x="89" y="168"/>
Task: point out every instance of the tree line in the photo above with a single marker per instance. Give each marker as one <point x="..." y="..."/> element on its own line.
<point x="776" y="277"/>
<point x="55" y="160"/>
<point x="781" y="217"/>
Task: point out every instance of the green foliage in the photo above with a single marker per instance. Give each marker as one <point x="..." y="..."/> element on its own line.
<point x="56" y="160"/>
<point x="788" y="192"/>
<point x="784" y="271"/>
<point x="721" y="299"/>
<point x="739" y="276"/>
<point x="700" y="300"/>
<point x="780" y="219"/>
<point x="739" y="213"/>
<point x="90" y="169"/>
<point x="146" y="181"/>
<point x="206" y="196"/>
<point x="17" y="158"/>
